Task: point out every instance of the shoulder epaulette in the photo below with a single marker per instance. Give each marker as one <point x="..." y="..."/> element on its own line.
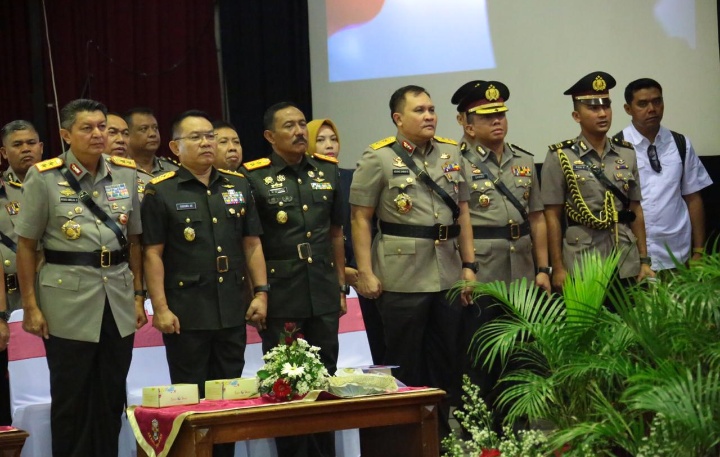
<point x="561" y="145"/>
<point x="162" y="177"/>
<point x="15" y="184"/>
<point x="382" y="143"/>
<point x="230" y="172"/>
<point x="122" y="161"/>
<point x="622" y="143"/>
<point x="325" y="158"/>
<point x="445" y="140"/>
<point x="255" y="164"/>
<point x="514" y="147"/>
<point x="45" y="165"/>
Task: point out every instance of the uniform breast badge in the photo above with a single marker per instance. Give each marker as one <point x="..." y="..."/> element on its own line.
<point x="123" y="219"/>
<point x="189" y="233"/>
<point x="311" y="173"/>
<point x="71" y="229"/>
<point x="403" y="202"/>
<point x="13" y="208"/>
<point x="526" y="195"/>
<point x="484" y="201"/>
<point x="281" y="217"/>
<point x="268" y="180"/>
<point x="398" y="163"/>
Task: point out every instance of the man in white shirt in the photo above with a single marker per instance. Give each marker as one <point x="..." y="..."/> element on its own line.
<point x="671" y="179"/>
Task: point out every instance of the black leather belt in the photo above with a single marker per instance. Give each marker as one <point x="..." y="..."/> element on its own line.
<point x="435" y="232"/>
<point x="507" y="232"/>
<point x="97" y="259"/>
<point x="11" y="282"/>
<point x="301" y="251"/>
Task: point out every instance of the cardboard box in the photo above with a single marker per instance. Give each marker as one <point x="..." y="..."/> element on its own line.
<point x="172" y="395"/>
<point x="231" y="389"/>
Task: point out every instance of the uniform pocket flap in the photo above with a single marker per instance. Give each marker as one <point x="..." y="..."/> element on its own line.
<point x="399" y="247"/>
<point x="181" y="281"/>
<point x="65" y="281"/>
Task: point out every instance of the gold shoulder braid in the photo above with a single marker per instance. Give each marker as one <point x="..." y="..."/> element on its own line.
<point x="584" y="215"/>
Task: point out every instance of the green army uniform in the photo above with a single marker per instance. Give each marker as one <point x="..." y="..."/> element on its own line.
<point x="415" y="269"/>
<point x="11" y="202"/>
<point x="297" y="205"/>
<point x="589" y="205"/>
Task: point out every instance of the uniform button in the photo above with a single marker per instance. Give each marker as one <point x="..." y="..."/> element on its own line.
<point x="219" y="248"/>
<point x="305" y="207"/>
<point x="7" y="263"/>
<point x="402" y="186"/>
<point x="70" y="213"/>
<point x="309" y="259"/>
<point x="220" y="279"/>
<point x="105" y="279"/>
<point x="437" y="242"/>
<point x="437" y="215"/>
<point x="96" y="194"/>
<point x="512" y="248"/>
<point x="272" y="271"/>
<point x="214" y="220"/>
<point x="242" y="279"/>
<point x="602" y="165"/>
<point x="122" y="208"/>
<point x="59" y="281"/>
<point x="324" y="197"/>
<point x="426" y="164"/>
<point x="308" y="234"/>
<point x="409" y="180"/>
<point x="209" y="192"/>
<point x="98" y="222"/>
<point x="299" y="180"/>
<point x="399" y="251"/>
<point x="577" y="239"/>
<point x="187" y="220"/>
<point x="511" y="221"/>
<point x="181" y="284"/>
<point x="104" y="248"/>
<point x="281" y="204"/>
<point x="332" y="264"/>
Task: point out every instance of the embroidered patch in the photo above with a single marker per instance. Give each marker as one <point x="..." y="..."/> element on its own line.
<point x="117" y="192"/>
<point x="321" y="186"/>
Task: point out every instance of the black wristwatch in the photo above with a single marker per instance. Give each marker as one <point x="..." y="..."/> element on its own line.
<point x="646" y="260"/>
<point x="471" y="265"/>
<point x="141" y="293"/>
<point x="5" y="315"/>
<point x="345" y="289"/>
<point x="546" y="270"/>
<point x="265" y="288"/>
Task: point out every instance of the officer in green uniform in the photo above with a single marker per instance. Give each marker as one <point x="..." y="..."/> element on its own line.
<point x="201" y="230"/>
<point x="300" y="205"/>
<point x="506" y="212"/>
<point x="424" y="243"/>
<point x="593" y="181"/>
<point x="21" y="148"/>
<point x="85" y="210"/>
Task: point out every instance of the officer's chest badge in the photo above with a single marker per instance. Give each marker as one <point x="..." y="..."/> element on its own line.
<point x="71" y="230"/>
<point x="403" y="203"/>
<point x="444" y="155"/>
<point x="397" y="162"/>
<point x="620" y="161"/>
<point x="281" y="217"/>
<point x="268" y="180"/>
<point x="281" y="178"/>
<point x="189" y="233"/>
<point x="123" y="219"/>
<point x="484" y="201"/>
<point x="67" y="192"/>
<point x="13" y="208"/>
<point x="64" y="184"/>
<point x="518" y="170"/>
<point x="117" y="192"/>
<point x="233" y="197"/>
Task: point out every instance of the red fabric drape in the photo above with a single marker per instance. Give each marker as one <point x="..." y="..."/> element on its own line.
<point x="160" y="54"/>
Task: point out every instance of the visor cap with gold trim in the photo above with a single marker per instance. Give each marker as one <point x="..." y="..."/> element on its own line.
<point x="593" y="89"/>
<point x="459" y="98"/>
<point x="487" y="98"/>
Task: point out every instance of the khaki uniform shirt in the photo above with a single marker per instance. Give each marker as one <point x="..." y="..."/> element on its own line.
<point x="620" y="165"/>
<point x="405" y="264"/>
<point x="201" y="228"/>
<point x="502" y="259"/>
<point x="71" y="297"/>
<point x="10" y="202"/>
<point x="297" y="205"/>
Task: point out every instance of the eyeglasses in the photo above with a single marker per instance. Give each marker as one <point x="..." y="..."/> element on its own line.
<point x="654" y="160"/>
<point x="198" y="137"/>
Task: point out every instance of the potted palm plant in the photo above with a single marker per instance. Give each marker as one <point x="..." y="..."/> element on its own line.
<point x="641" y="381"/>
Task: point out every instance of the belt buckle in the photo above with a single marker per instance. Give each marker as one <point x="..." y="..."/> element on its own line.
<point x="105" y="258"/>
<point x="222" y="264"/>
<point x="514" y="231"/>
<point x="304" y="251"/>
<point x="443" y="231"/>
<point x="11" y="284"/>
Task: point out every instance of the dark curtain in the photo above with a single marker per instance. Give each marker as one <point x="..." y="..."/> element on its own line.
<point x="160" y="54"/>
<point x="266" y="59"/>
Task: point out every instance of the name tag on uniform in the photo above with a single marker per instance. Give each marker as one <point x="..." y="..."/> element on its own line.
<point x="401" y="171"/>
<point x="278" y="191"/>
<point x="321" y="185"/>
<point x="117" y="192"/>
<point x="580" y="167"/>
<point x="68" y="199"/>
<point x="185" y="206"/>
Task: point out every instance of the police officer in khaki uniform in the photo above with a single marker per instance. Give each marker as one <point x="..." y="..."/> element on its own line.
<point x="85" y="210"/>
<point x="593" y="181"/>
<point x="424" y="243"/>
<point x="507" y="217"/>
<point x="300" y="205"/>
<point x="21" y="148"/>
<point x="200" y="232"/>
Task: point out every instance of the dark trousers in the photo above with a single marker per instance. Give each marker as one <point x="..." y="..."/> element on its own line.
<point x="196" y="356"/>
<point x="320" y="331"/>
<point x="421" y="337"/>
<point x="373" y="329"/>
<point x="87" y="385"/>
<point x="5" y="417"/>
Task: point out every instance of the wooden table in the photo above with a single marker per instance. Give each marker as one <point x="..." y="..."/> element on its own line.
<point x="11" y="443"/>
<point x="391" y="424"/>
